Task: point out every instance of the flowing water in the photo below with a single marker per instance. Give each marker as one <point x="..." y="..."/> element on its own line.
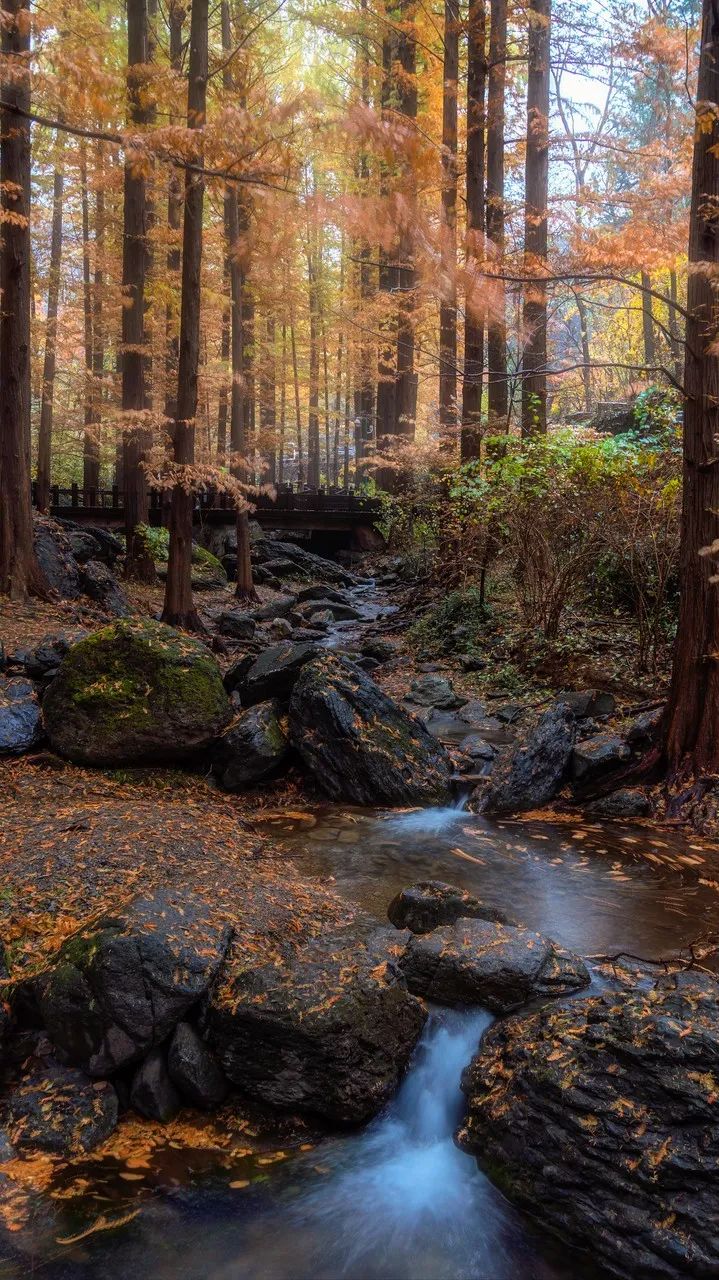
<point x="398" y="1201"/>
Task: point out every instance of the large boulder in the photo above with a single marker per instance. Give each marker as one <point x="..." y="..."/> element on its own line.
<point x="236" y="624"/>
<point x="627" y="802"/>
<point x="253" y="748"/>
<point x="423" y="906"/>
<point x="133" y="691"/>
<point x="271" y="675"/>
<point x="361" y="745"/>
<point x="101" y="585"/>
<point x="434" y="691"/>
<point x="328" y="1031"/>
<point x="55" y="558"/>
<point x="90" y="543"/>
<point x="534" y="771"/>
<point x="118" y="991"/>
<point x="498" y="966"/>
<point x="305" y="564"/>
<point x="600" y="1116"/>
<point x="20" y="718"/>
<point x="58" y="1109"/>
<point x="596" y="757"/>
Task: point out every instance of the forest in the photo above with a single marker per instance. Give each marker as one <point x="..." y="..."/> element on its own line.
<point x="359" y="639"/>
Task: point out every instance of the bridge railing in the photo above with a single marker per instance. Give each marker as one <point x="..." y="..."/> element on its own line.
<point x="288" y="498"/>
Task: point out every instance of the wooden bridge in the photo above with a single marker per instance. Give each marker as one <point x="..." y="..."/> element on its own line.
<point x="349" y="515"/>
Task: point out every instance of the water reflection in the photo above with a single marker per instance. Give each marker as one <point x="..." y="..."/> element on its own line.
<point x="594" y="888"/>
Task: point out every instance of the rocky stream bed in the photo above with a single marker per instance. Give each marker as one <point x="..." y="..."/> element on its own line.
<point x="233" y="1036"/>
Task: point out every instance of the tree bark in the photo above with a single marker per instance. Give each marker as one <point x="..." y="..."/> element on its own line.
<point x="269" y="403"/>
<point x="691" y="737"/>
<point x="20" y="573"/>
<point x="179" y="609"/>
<point x="91" y="450"/>
<point x="650" y="346"/>
<point x="497" y="381"/>
<point x="235" y="224"/>
<point x="534" y="315"/>
<point x="448" y="303"/>
<point x="44" y="444"/>
<point x="298" y="411"/>
<point x="471" y="431"/>
<point x="139" y="563"/>
<point x="283" y="409"/>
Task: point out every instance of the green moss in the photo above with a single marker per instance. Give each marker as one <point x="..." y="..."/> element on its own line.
<point x="130" y="675"/>
<point x="157" y="542"/>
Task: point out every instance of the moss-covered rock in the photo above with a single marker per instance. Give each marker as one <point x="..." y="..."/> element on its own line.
<point x="359" y="744"/>
<point x="207" y="571"/>
<point x="136" y="690"/>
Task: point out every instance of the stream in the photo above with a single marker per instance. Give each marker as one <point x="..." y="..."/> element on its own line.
<point x="397" y="1200"/>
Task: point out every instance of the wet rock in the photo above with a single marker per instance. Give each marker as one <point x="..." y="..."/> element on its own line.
<point x="283" y="568"/>
<point x="88" y="542"/>
<point x="596" y="757"/>
<point x="193" y="1069"/>
<point x="472" y="662"/>
<point x="599" y="1115"/>
<point x="97" y="582"/>
<point x="152" y="1093"/>
<point x="133" y="691"/>
<point x="7" y="1150"/>
<point x="508" y="712"/>
<point x="645" y="727"/>
<point x="20" y="717"/>
<point x="475" y="746"/>
<point x="361" y="745"/>
<point x="377" y="648"/>
<point x="340" y="612"/>
<point x="118" y="991"/>
<point x="534" y="771"/>
<point x="51" y="651"/>
<point x="271" y="675"/>
<point x="236" y="624"/>
<point x="305" y="563"/>
<point x="498" y="966"/>
<point x="329" y="1031"/>
<point x="253" y="748"/>
<point x="55" y="558"/>
<point x="589" y="703"/>
<point x="322" y="619"/>
<point x="281" y="628"/>
<point x="434" y="691"/>
<point x="320" y="591"/>
<point x="628" y="802"/>
<point x="279" y="607"/>
<point x="301" y="634"/>
<point x="58" y="1109"/>
<point x="423" y="906"/>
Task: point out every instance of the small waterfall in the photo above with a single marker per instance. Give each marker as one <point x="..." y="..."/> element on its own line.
<point x="430" y="822"/>
<point x="401" y="1202"/>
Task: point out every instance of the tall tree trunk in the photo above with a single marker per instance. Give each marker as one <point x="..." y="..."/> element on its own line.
<point x="176" y="18"/>
<point x="179" y="609"/>
<point x="583" y="315"/>
<point x="20" y="573"/>
<point x="225" y="358"/>
<point x="313" y="421"/>
<point x="44" y="444"/>
<point x="406" y="392"/>
<point x="497" y="382"/>
<point x="534" y="315"/>
<point x="448" y="304"/>
<point x="691" y="739"/>
<point x="269" y="403"/>
<point x="650" y="346"/>
<point x="674" y="326"/>
<point x="328" y="445"/>
<point x="298" y="410"/>
<point x="283" y="409"/>
<point x="235" y="223"/>
<point x="90" y="443"/>
<point x="338" y="407"/>
<point x="364" y="384"/>
<point x="91" y="451"/>
<point x="471" y="433"/>
<point x="348" y="390"/>
<point x="139" y="563"/>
